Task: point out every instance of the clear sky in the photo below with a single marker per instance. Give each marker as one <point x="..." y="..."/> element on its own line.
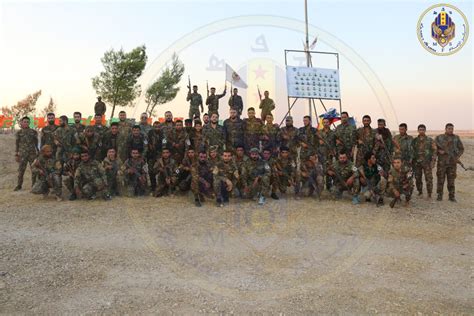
<point x="56" y="46"/>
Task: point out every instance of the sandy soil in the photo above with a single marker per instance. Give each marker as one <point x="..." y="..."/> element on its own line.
<point x="149" y="255"/>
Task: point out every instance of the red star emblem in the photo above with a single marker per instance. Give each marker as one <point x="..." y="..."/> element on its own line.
<point x="260" y="72"/>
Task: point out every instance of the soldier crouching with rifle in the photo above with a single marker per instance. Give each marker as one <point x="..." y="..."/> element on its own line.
<point x="346" y="177"/>
<point x="135" y="174"/>
<point x="372" y="179"/>
<point x="165" y="170"/>
<point x="48" y="173"/>
<point x="400" y="182"/>
<point x="90" y="179"/>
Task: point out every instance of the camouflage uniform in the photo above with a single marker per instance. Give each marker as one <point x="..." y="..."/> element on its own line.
<point x="375" y="183"/>
<point x="202" y="176"/>
<point x="145" y="128"/>
<point x="69" y="170"/>
<point x="346" y="134"/>
<point x="100" y="129"/>
<point x="404" y="148"/>
<point x="155" y="144"/>
<point x="197" y="140"/>
<point x="179" y="141"/>
<point x="165" y="169"/>
<point x="252" y="132"/>
<point x="195" y="101"/>
<point x="236" y="103"/>
<point x="222" y="172"/>
<point x="383" y="148"/>
<point x="240" y="162"/>
<point x="51" y="177"/>
<point x="47" y="137"/>
<point x="285" y="175"/>
<point x="90" y="178"/>
<point x="99" y="108"/>
<point x="234" y="132"/>
<point x="125" y="130"/>
<point x="307" y="135"/>
<point x="267" y="105"/>
<point x="212" y="102"/>
<point x="343" y="173"/>
<point x="112" y="168"/>
<point x="367" y="136"/>
<point x="109" y="141"/>
<point x="78" y="128"/>
<point x="92" y="144"/>
<point x="312" y="177"/>
<point x="64" y="135"/>
<point x="326" y="149"/>
<point x="136" y="182"/>
<point x="288" y="137"/>
<point x="400" y="181"/>
<point x="447" y="162"/>
<point x="139" y="142"/>
<point x="271" y="137"/>
<point x="166" y="129"/>
<point x="214" y="136"/>
<point x="424" y="156"/>
<point x="184" y="174"/>
<point x="26" y="145"/>
<point x="252" y="170"/>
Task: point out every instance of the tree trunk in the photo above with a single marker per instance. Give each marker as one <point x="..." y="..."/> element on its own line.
<point x="113" y="110"/>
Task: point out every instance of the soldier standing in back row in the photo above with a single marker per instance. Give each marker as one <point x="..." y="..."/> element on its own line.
<point x="402" y="144"/>
<point x="99" y="107"/>
<point x="64" y="139"/>
<point x="234" y="132"/>
<point x="424" y="158"/>
<point x="47" y="133"/>
<point x="195" y="102"/>
<point x="289" y="136"/>
<point x="212" y="101"/>
<point x="236" y="103"/>
<point x="267" y="105"/>
<point x="345" y="136"/>
<point x="365" y="136"/>
<point x="26" y="150"/>
<point x="450" y="149"/>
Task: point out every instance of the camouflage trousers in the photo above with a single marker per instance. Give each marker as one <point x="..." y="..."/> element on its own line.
<point x="184" y="181"/>
<point x="152" y="174"/>
<point x="407" y="191"/>
<point x="421" y="168"/>
<point x="354" y="189"/>
<point x="446" y="171"/>
<point x="312" y="183"/>
<point x="281" y="183"/>
<point x="220" y="189"/>
<point x="162" y="187"/>
<point x="194" y="111"/>
<point x="134" y="186"/>
<point x="371" y="189"/>
<point x="360" y="156"/>
<point x="91" y="188"/>
<point x="25" y="160"/>
<point x="200" y="190"/>
<point x="113" y="184"/>
<point x="262" y="187"/>
<point x="69" y="183"/>
<point x="62" y="155"/>
<point x="43" y="185"/>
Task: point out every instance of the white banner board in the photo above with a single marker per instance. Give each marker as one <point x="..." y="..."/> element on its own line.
<point x="309" y="82"/>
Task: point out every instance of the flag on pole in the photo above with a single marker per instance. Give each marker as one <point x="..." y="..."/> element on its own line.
<point x="233" y="77"/>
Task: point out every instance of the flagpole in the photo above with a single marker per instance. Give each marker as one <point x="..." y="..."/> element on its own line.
<point x="307" y="49"/>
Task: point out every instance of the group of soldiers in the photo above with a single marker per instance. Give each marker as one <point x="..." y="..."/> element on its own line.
<point x="242" y="158"/>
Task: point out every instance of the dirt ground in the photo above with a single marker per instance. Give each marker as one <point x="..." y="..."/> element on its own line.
<point x="149" y="255"/>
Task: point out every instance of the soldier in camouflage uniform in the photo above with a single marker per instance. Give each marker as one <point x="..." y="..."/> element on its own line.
<point x="212" y="101"/>
<point x="289" y="137"/>
<point x="214" y="156"/>
<point x="69" y="170"/>
<point x="383" y="146"/>
<point x="240" y="159"/>
<point x="450" y="149"/>
<point x="326" y="149"/>
<point x="145" y="127"/>
<point x="125" y="129"/>
<point x="252" y="130"/>
<point x="110" y="140"/>
<point x="138" y="141"/>
<point x="202" y="179"/>
<point x="166" y="127"/>
<point x="99" y="107"/>
<point x="155" y="143"/>
<point x="233" y="128"/>
<point x="308" y="138"/>
<point x="214" y="134"/>
<point x="99" y="127"/>
<point x="312" y="175"/>
<point x="112" y="166"/>
<point x="90" y="179"/>
<point x="26" y="150"/>
<point x="365" y="137"/>
<point x="225" y="177"/>
<point x="91" y="142"/>
<point x="399" y="182"/>
<point x="256" y="177"/>
<point x="135" y="174"/>
<point x="345" y="136"/>
<point x="236" y="103"/>
<point x="48" y="173"/>
<point x="270" y="160"/>
<point x="165" y="170"/>
<point x="179" y="141"/>
<point x="78" y="126"/>
<point x="47" y="133"/>
<point x="184" y="170"/>
<point x="266" y="106"/>
<point x="196" y="137"/>
<point x="372" y="179"/>
<point x="64" y="140"/>
<point x="271" y="135"/>
<point x="403" y="146"/>
<point x="424" y="159"/>
<point x="195" y="102"/>
<point x="346" y="177"/>
<point x="286" y="173"/>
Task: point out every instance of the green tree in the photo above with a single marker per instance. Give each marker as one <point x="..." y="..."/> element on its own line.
<point x="164" y="89"/>
<point x="50" y="108"/>
<point x="117" y="84"/>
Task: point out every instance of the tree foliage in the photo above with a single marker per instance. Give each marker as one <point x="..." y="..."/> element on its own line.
<point x="117" y="84"/>
<point x="164" y="89"/>
<point x="24" y="107"/>
<point x="50" y="108"/>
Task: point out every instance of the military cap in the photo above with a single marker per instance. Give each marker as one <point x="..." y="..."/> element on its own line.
<point x="254" y="150"/>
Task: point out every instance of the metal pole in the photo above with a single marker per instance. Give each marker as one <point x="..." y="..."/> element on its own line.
<point x="307" y="49"/>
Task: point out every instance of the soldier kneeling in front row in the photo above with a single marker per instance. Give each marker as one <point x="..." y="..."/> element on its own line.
<point x="372" y="179"/>
<point x="90" y="179"/>
<point x="48" y="173"/>
<point x="400" y="182"/>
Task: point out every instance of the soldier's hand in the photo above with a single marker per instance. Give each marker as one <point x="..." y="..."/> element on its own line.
<point x="41" y="172"/>
<point x="432" y="164"/>
<point x="78" y="191"/>
<point x="321" y="142"/>
<point x="304" y="145"/>
<point x="229" y="185"/>
<point x="441" y="152"/>
<point x="17" y="158"/>
<point x="168" y="181"/>
<point x="360" y="142"/>
<point x="338" y="142"/>
<point x="350" y="181"/>
<point x="331" y="173"/>
<point x="396" y="193"/>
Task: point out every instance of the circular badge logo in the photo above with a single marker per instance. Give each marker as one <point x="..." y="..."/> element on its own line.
<point x="443" y="29"/>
